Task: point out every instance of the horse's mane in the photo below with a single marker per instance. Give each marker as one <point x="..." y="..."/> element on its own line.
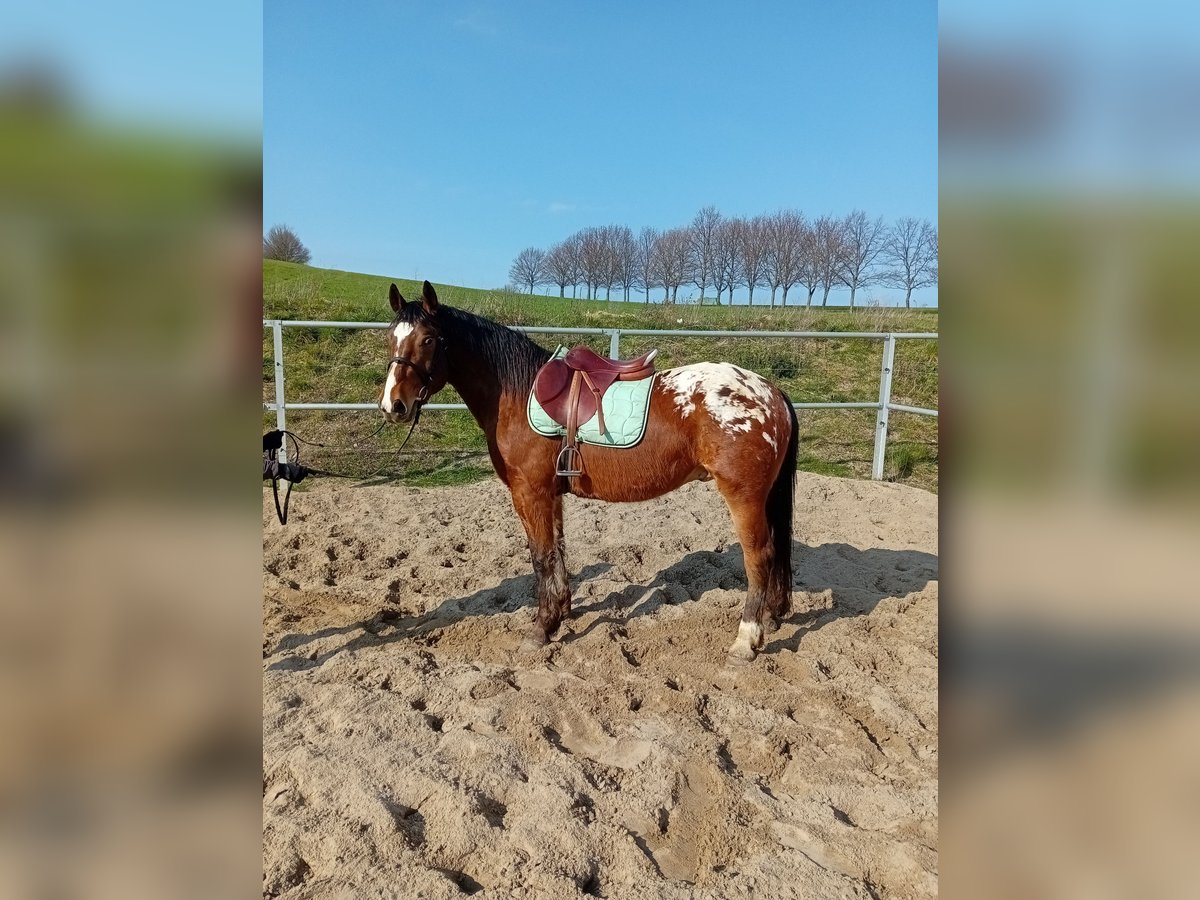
<point x="511" y="355"/>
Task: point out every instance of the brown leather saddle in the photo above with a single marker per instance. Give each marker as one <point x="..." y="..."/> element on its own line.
<point x="559" y="388"/>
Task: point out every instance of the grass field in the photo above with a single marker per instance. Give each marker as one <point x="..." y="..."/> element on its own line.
<point x="347" y="366"/>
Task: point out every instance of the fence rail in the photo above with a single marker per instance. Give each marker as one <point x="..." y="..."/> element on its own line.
<point x="883" y="406"/>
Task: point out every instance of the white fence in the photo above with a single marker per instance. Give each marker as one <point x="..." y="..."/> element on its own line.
<point x="883" y="406"/>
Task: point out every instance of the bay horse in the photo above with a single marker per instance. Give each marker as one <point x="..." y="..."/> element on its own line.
<point x="708" y="421"/>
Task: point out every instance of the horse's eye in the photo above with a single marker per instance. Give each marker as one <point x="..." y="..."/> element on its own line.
<point x="427" y="341"/>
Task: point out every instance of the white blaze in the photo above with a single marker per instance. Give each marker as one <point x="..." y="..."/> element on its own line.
<point x="401" y="331"/>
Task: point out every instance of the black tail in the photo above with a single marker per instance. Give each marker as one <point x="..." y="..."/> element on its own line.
<point x="779" y="518"/>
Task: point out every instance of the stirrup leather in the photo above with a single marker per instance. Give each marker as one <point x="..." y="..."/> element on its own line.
<point x="570" y="460"/>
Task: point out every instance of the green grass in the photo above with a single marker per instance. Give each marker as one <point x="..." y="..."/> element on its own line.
<point x="448" y="447"/>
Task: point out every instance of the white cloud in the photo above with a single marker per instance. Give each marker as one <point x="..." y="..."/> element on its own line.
<point x="478" y="21"/>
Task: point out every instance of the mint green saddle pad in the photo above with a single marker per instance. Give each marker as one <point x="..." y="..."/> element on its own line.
<point x="626" y="406"/>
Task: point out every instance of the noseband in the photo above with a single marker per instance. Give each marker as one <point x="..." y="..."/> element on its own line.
<point x="422" y="372"/>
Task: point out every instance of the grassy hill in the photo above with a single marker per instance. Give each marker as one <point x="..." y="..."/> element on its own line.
<point x="347" y="366"/>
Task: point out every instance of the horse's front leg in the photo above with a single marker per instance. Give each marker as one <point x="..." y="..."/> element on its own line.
<point x="540" y="510"/>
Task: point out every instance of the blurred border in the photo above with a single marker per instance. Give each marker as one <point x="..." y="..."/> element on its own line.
<point x="1070" y="201"/>
<point x="130" y="300"/>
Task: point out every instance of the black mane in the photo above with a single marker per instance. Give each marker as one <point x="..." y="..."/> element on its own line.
<point x="511" y="355"/>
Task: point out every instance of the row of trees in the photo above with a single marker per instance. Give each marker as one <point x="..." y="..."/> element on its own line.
<point x="779" y="251"/>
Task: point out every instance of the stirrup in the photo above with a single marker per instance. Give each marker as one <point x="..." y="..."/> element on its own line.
<point x="569" y="462"/>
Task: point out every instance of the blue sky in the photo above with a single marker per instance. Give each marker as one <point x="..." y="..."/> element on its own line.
<point x="438" y="140"/>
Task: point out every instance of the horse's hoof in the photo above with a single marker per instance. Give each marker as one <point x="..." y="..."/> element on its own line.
<point x="769" y="625"/>
<point x="534" y="641"/>
<point x="740" y="655"/>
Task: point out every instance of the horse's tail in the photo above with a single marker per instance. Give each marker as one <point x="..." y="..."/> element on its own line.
<point x="779" y="516"/>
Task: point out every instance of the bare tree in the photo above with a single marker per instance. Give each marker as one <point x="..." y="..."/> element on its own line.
<point x="786" y="228"/>
<point x="283" y="244"/>
<point x="560" y="266"/>
<point x="828" y="250"/>
<point x="610" y="270"/>
<point x="647" y="271"/>
<point x="771" y="254"/>
<point x="932" y="240"/>
<point x="529" y="268"/>
<point x="727" y="256"/>
<point x="752" y="253"/>
<point x="673" y="256"/>
<point x="703" y="239"/>
<point x="601" y="255"/>
<point x="573" y="249"/>
<point x="624" y="248"/>
<point x="809" y="274"/>
<point x="910" y="252"/>
<point x="593" y="259"/>
<point x="863" y="241"/>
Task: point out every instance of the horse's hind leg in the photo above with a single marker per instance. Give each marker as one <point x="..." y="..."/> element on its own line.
<point x="540" y="511"/>
<point x="747" y="506"/>
<point x="560" y="561"/>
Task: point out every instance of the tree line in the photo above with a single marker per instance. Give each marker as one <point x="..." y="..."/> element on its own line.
<point x="779" y="252"/>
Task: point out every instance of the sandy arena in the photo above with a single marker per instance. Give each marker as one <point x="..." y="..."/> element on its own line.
<point x="410" y="749"/>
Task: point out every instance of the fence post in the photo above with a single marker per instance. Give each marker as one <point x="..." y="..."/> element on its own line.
<point x="280" y="412"/>
<point x="614" y="344"/>
<point x="885" y="397"/>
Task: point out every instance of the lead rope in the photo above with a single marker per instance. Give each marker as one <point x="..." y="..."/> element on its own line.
<point x="294" y="473"/>
<point x="287" y="498"/>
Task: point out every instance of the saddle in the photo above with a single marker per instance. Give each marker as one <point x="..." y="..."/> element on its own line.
<point x="559" y="388"/>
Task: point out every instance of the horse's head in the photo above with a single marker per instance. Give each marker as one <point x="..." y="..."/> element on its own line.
<point x="417" y="365"/>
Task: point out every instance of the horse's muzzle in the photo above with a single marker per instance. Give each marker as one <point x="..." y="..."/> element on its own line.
<point x="400" y="414"/>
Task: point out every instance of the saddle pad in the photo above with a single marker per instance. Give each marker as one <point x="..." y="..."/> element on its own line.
<point x="626" y="407"/>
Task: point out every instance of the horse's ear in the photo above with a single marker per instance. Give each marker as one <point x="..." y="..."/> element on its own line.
<point x="395" y="299"/>
<point x="429" y="298"/>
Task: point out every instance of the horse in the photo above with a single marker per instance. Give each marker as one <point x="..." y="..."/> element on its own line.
<point x="707" y="421"/>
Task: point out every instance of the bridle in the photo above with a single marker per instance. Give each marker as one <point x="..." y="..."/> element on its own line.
<point x="426" y="377"/>
<point x="424" y="374"/>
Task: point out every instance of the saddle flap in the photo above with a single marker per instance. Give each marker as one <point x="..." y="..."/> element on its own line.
<point x="552" y="388"/>
<point x="553" y="379"/>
